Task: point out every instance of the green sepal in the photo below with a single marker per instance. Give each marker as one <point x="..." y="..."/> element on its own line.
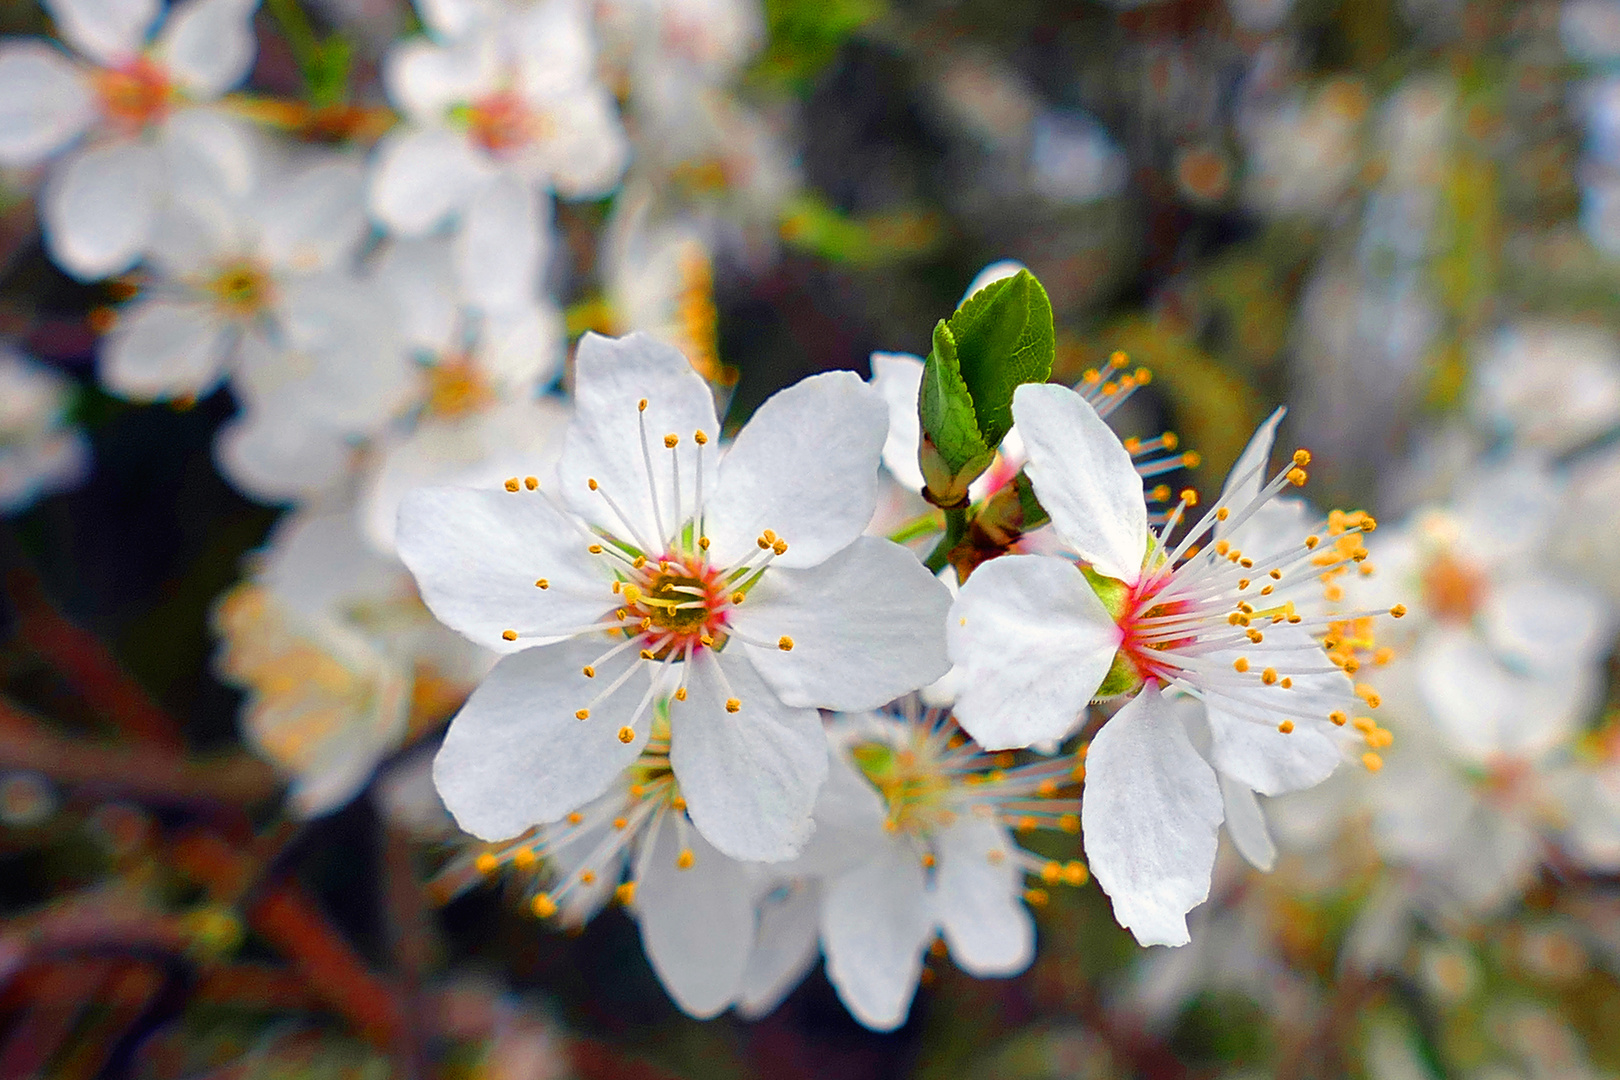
<point x="1001" y="337"/>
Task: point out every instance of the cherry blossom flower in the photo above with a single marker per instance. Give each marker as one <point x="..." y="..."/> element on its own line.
<point x="259" y="287"/>
<point x="1037" y="637"/>
<point x="39" y="450"/>
<point x="737" y="585"/>
<point x="915" y="840"/>
<point x="121" y="119"/>
<point x="334" y="651"/>
<point x="494" y="120"/>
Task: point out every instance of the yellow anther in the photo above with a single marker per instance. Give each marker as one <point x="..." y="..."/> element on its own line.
<point x="1241" y="664"/>
<point x="1189" y="496"/>
<point x="1297" y="477"/>
<point x="1143" y="376"/>
<point x="1171" y="440"/>
<point x="1118" y="358"/>
<point x="641" y="406"/>
<point x="590" y="482"/>
<point x="764" y="544"/>
<point x="1245" y="562"/>
<point x="1269" y="676"/>
<point x="508" y="635"/>
<point x="632" y="593"/>
<point x="680" y="694"/>
<point x="1311" y="542"/>
<point x="1036" y="897"/>
<point x="928" y="858"/>
<point x="1075" y="873"/>
<point x="542" y="583"/>
<point x="532" y="483"/>
<point x="627" y="735"/>
<point x="1052" y="872"/>
<point x="1287" y="683"/>
<point x="616" y="586"/>
<point x="784" y="643"/>
<point x="1369" y="695"/>
<point x="1069" y="823"/>
<point x="678" y="803"/>
<point x="770" y="536"/>
<point x="1047" y="788"/>
<point x="1338" y="717"/>
<point x="1222" y="514"/>
<point x="637" y="790"/>
<point x="595" y="549"/>
<point x="1383" y="656"/>
<point x="1398" y="610"/>
<point x="645" y="624"/>
<point x="524" y="858"/>
<point x="1222" y="547"/>
<point x="780" y="547"/>
<point x="1256" y="636"/>
<point x="671" y="440"/>
<point x="582" y="714"/>
<point x="543" y="906"/>
<point x="486" y="863"/>
<point x="1236" y="618"/>
<point x="512" y="484"/>
<point x="707" y="641"/>
<point x="587" y="877"/>
<point x="737" y="597"/>
<point x="625" y="893"/>
<point x="1132" y="445"/>
<point x="1276" y="575"/>
<point x="638" y="562"/>
<point x="1302" y="457"/>
<point x="1286" y="727"/>
<point x="685" y="859"/>
<point x="700" y="438"/>
<point x="732" y="704"/>
<point x="575" y="818"/>
<point x="1372" y="761"/>
<point x="646" y="654"/>
<point x="703" y="543"/>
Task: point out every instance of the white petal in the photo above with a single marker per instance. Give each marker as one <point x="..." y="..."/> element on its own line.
<point x="749" y="777"/>
<point x="314" y="218"/>
<point x="1246" y="824"/>
<point x="273" y="458"/>
<point x="1545" y="623"/>
<point x="589" y="151"/>
<point x="785" y="949"/>
<point x="420" y="178"/>
<point x="99" y="207"/>
<point x="611" y="376"/>
<point x="806" y="467"/>
<point x="521" y="350"/>
<point x="898" y="377"/>
<point x="417" y="276"/>
<point x="516" y="755"/>
<point x="1484" y="708"/>
<point x="1248" y="474"/>
<point x="425" y="80"/>
<point x="208" y="45"/>
<point x="1268" y="761"/>
<point x="500" y="247"/>
<point x="1149" y="813"/>
<point x="449" y="19"/>
<point x="697" y="924"/>
<point x="477" y="554"/>
<point x="1084" y="478"/>
<point x="1031" y="643"/>
<point x="45" y="101"/>
<point x="108" y="31"/>
<point x="875" y="926"/>
<point x="866" y="626"/>
<point x="162" y="349"/>
<point x="978" y="899"/>
<point x="210" y="150"/>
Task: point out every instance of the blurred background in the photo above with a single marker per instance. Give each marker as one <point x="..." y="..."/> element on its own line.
<point x="1400" y="218"/>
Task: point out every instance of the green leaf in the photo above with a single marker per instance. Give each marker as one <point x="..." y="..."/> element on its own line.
<point x="1000" y="338"/>
<point x="1004" y="337"/>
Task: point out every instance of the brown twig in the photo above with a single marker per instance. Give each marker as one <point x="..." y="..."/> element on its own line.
<point x="147" y="772"/>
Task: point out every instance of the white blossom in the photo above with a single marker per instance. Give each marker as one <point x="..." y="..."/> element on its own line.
<point x="40" y="451"/>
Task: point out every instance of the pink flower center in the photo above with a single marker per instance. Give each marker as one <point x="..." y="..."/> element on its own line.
<point x="135" y="95"/>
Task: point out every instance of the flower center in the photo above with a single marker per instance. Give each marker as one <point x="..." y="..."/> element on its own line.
<point x="501" y="122"/>
<point x="241" y="289"/>
<point x="135" y="95"/>
<point x="678" y="603"/>
<point x="1453" y="588"/>
<point x="913" y="786"/>
<point x="455" y="388"/>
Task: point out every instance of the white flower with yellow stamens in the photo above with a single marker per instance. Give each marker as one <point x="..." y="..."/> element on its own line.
<point x="1039" y="637"/>
<point x="736" y="587"/>
<point x="120" y="124"/>
<point x="915" y="840"/>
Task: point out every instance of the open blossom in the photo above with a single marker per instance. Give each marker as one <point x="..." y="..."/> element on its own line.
<point x="335" y="653"/>
<point x="39" y="450"/>
<point x="494" y="122"/>
<point x="734" y="589"/>
<point x="121" y="118"/>
<point x="915" y="840"/>
<point x="1038" y="637"/>
<point x="702" y="914"/>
